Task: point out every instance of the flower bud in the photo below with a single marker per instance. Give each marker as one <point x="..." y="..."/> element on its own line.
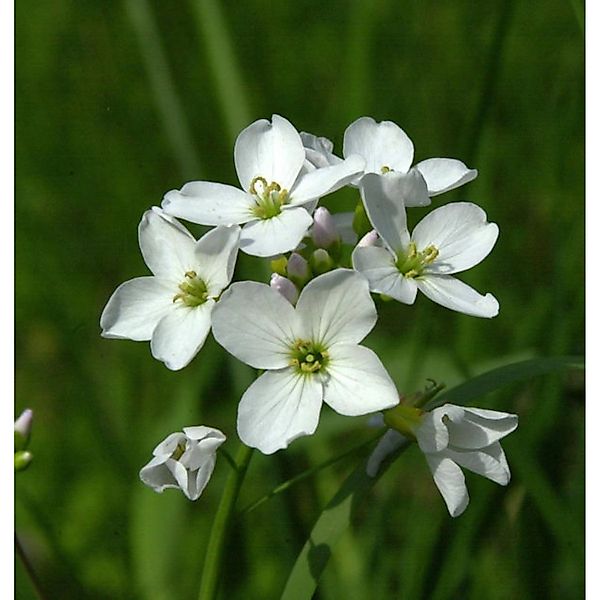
<point x="23" y="429"/>
<point x="279" y="264"/>
<point x="285" y="287"/>
<point x="321" y="262"/>
<point x="22" y="460"/>
<point x="369" y="239"/>
<point x="324" y="232"/>
<point x="297" y="269"/>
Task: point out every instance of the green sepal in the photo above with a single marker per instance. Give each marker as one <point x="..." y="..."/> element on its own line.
<point x="360" y="222"/>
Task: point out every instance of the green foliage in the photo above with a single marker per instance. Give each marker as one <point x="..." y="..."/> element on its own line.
<point x="118" y="103"/>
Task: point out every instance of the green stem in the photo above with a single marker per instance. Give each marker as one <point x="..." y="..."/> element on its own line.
<point x="290" y="482"/>
<point x="218" y="535"/>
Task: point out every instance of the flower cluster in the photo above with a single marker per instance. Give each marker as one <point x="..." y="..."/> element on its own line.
<point x="304" y="327"/>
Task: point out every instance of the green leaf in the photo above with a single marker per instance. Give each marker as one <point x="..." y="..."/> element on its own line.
<point x="492" y="380"/>
<point x="328" y="529"/>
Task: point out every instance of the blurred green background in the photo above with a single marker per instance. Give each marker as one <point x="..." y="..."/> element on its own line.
<point x="118" y="102"/>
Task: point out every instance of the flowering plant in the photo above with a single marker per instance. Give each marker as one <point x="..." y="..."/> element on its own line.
<point x="302" y="328"/>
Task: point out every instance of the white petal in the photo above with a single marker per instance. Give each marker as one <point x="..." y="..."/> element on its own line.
<point x="256" y="324"/>
<point x="136" y="307"/>
<point x="209" y="204"/>
<point x="273" y="151"/>
<point x="473" y="429"/>
<point x="378" y="265"/>
<point x="432" y="434"/>
<point x="489" y="462"/>
<point x="199" y="482"/>
<point x="450" y="481"/>
<point x="388" y="444"/>
<point x="460" y="232"/>
<point x="324" y="181"/>
<point x="215" y="255"/>
<point x="158" y="476"/>
<point x="199" y="432"/>
<point x="444" y="174"/>
<point x="387" y="215"/>
<point x="336" y="307"/>
<point x="168" y="445"/>
<point x="277" y="408"/>
<point x="356" y="382"/>
<point x="180" y="334"/>
<point x="182" y="476"/>
<point x="268" y="237"/>
<point x="409" y="188"/>
<point x="381" y="144"/>
<point x="456" y="295"/>
<point x="319" y="150"/>
<point x="166" y="245"/>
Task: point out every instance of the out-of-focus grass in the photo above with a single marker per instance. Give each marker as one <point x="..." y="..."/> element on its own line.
<point x="95" y="148"/>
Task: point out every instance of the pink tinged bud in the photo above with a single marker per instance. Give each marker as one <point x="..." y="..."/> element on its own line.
<point x="23" y="423"/>
<point x="297" y="267"/>
<point x="324" y="232"/>
<point x="285" y="287"/>
<point x="370" y="239"/>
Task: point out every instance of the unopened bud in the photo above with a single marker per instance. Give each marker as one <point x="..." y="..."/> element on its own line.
<point x="23" y="429"/>
<point x="324" y="232"/>
<point x="369" y="239"/>
<point x="321" y="262"/>
<point x="285" y="287"/>
<point x="297" y="269"/>
<point x="279" y="264"/>
<point x="22" y="460"/>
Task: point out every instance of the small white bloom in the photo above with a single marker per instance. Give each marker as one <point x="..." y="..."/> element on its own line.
<point x="184" y="460"/>
<point x="452" y="437"/>
<point x="280" y="189"/>
<point x="450" y="239"/>
<point x="311" y="355"/>
<point x="173" y="308"/>
<point x="389" y="152"/>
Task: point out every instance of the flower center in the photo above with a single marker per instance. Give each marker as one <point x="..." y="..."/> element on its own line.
<point x="193" y="290"/>
<point x="308" y="357"/>
<point x="268" y="197"/>
<point x="414" y="262"/>
<point x="178" y="452"/>
<point x="385" y="169"/>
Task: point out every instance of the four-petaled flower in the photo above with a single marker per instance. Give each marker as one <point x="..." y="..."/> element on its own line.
<point x="389" y="152"/>
<point x="452" y="437"/>
<point x="311" y="353"/>
<point x="173" y="308"/>
<point x="450" y="239"/>
<point x="184" y="460"/>
<point x="280" y="189"/>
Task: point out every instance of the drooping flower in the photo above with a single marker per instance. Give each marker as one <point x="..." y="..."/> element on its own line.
<point x="452" y="437"/>
<point x="311" y="355"/>
<point x="450" y="239"/>
<point x="280" y="189"/>
<point x="184" y="460"/>
<point x="389" y="152"/>
<point x="173" y="307"/>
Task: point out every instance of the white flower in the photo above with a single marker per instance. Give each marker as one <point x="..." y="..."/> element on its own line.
<point x="452" y="437"/>
<point x="450" y="239"/>
<point x="319" y="150"/>
<point x="311" y="355"/>
<point x="389" y="152"/>
<point x="280" y="189"/>
<point x="184" y="460"/>
<point x="173" y="308"/>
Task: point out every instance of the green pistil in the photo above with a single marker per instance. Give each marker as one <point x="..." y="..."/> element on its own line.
<point x="178" y="452"/>
<point x="193" y="290"/>
<point x="414" y="262"/>
<point x="269" y="198"/>
<point x="385" y="169"/>
<point x="308" y="357"/>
